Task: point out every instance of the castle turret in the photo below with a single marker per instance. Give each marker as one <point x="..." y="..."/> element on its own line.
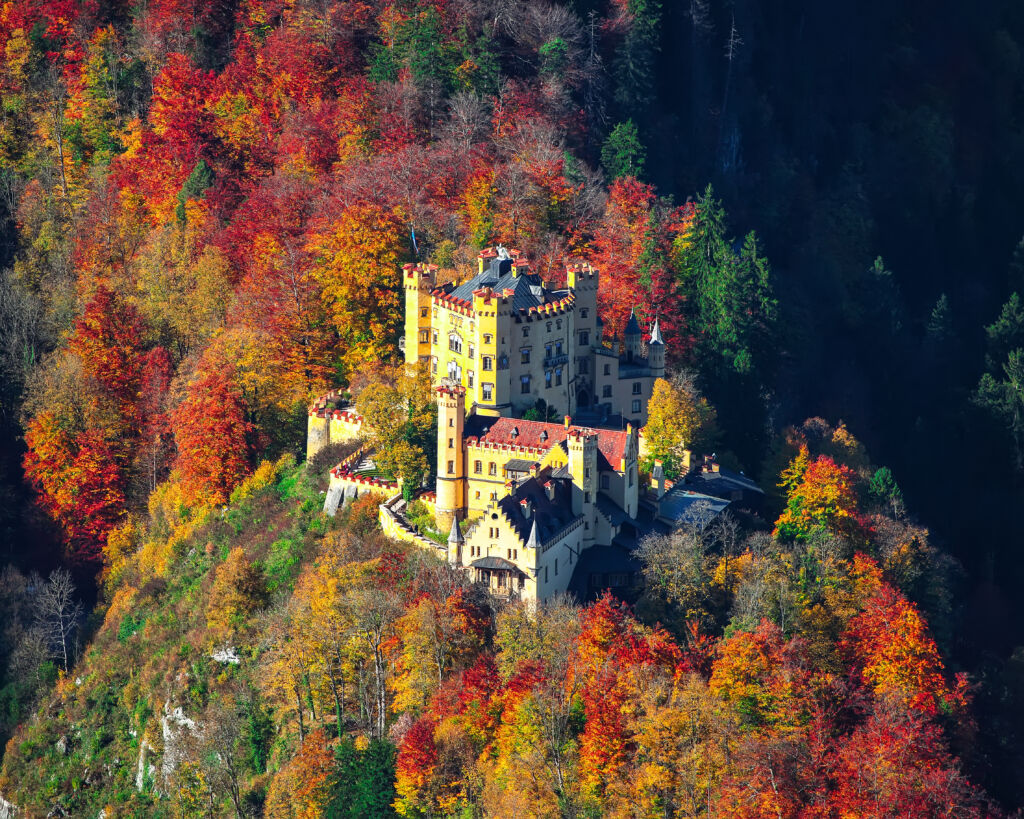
<point x="582" y="446"/>
<point x="451" y="466"/>
<point x="456" y="540"/>
<point x="656" y="352"/>
<point x="631" y="337"/>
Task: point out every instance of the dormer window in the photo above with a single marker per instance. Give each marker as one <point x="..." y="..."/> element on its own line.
<point x="544" y="435"/>
<point x="515" y="433"/>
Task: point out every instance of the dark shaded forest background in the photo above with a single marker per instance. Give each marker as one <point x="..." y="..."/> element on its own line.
<point x="878" y="151"/>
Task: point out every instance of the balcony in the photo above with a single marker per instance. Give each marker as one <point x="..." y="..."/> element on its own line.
<point x="555" y="360"/>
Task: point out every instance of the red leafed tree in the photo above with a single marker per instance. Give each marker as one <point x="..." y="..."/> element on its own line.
<point x="897" y="764"/>
<point x="630" y="250"/>
<point x="108" y="339"/>
<point x="210" y="430"/>
<point x="154" y="428"/>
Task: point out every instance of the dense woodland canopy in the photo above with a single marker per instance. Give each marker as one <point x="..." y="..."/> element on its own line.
<point x="205" y="207"/>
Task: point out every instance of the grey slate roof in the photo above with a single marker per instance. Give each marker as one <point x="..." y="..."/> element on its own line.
<point x="632" y="326"/>
<point x="526" y="289"/>
<point x="678" y="503"/>
<point x="494" y="563"/>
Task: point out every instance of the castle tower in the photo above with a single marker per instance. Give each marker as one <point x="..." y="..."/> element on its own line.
<point x="451" y="462"/>
<point x="656" y="352"/>
<point x="582" y="446"/>
<point x="418" y="281"/>
<point x="631" y="337"/>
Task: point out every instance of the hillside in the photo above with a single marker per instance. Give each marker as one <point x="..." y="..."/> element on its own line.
<point x="240" y="642"/>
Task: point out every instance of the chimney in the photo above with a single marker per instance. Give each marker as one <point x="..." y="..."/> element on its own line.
<point x="658" y="475"/>
<point x="568" y="420"/>
<point x="534" y="469"/>
<point x="527" y="506"/>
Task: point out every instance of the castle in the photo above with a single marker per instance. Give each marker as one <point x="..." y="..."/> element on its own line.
<point x="531" y="508"/>
<point x="515" y="345"/>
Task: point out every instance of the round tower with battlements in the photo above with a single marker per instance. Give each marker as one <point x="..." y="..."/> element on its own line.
<point x="451" y="465"/>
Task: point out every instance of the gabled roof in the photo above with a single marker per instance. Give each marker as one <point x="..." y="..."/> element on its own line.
<point x="547" y="515"/>
<point x="611" y="443"/>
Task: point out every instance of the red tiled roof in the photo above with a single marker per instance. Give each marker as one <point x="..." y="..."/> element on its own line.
<point x="610" y="442"/>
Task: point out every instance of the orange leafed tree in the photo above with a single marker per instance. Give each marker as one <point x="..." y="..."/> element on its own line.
<point x="210" y="430"/>
<point x="822" y="499"/>
<point x="357" y="266"/>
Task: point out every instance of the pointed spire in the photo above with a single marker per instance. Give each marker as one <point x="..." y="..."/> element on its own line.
<point x="456" y="533"/>
<point x="534" y="541"/>
<point x="632" y="326"/>
<point x="656" y="333"/>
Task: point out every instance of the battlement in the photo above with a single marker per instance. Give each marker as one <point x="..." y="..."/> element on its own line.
<point x="453" y="391"/>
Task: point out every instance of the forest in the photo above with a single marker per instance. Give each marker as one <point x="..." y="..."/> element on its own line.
<point x="205" y="208"/>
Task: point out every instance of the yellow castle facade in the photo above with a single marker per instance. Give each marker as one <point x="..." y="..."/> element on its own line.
<point x="523" y="500"/>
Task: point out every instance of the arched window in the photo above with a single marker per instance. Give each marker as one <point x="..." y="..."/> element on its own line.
<point x="455" y="342"/>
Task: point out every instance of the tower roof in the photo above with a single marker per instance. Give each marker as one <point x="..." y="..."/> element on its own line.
<point x="534" y="540"/>
<point x="656" y="334"/>
<point x="456" y="535"/>
<point x="632" y="326"/>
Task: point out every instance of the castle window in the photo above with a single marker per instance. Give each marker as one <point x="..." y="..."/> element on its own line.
<point x="492" y="468"/>
<point x="545" y="574"/>
<point x="606" y="391"/>
<point x="584" y="338"/>
<point x="515" y="554"/>
<point x="478" y="494"/>
<point x="607" y="369"/>
<point x="451" y="443"/>
<point x="488" y="338"/>
<point x="548" y="327"/>
<point x="558" y="348"/>
<point x="433" y="365"/>
<point x="556" y="567"/>
<point x="605" y="482"/>
<point x="423" y="312"/>
<point x="547" y="378"/>
<point x="488" y="363"/>
<point x="586" y="497"/>
<point x="638" y="388"/>
<point x="455" y="343"/>
<point x="526" y="332"/>
<point x="636" y="406"/>
<point x="478" y="468"/>
<point x="470" y="375"/>
<point x="424" y="336"/>
<point x="525" y="351"/>
<point x="433" y="337"/>
<point x="547" y="351"/>
<point x="472" y="351"/>
<point x="558" y="324"/>
<point x="494" y="496"/>
<point x="451" y="467"/>
<point x="586" y="473"/>
<point x="435" y="312"/>
<point x="524" y="384"/>
<point x="488" y="392"/>
<point x="451" y="422"/>
<point x="472" y="326"/>
<point x="584" y="312"/>
<point x="558" y="376"/>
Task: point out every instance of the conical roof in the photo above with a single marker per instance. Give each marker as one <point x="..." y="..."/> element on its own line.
<point x="534" y="541"/>
<point x="456" y="534"/>
<point x="656" y="334"/>
<point x="632" y="326"/>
